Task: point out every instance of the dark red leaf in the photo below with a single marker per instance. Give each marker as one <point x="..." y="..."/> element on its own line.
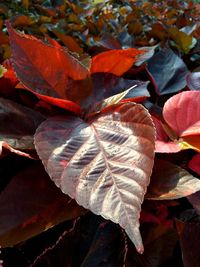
<point x="194" y="164"/>
<point x="19" y="124"/>
<point x="31" y="204"/>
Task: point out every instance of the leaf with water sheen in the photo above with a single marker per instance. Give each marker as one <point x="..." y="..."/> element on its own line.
<point x="105" y="164"/>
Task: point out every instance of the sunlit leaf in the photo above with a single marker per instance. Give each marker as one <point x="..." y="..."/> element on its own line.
<point x="31" y="204"/>
<point x="182" y="40"/>
<point x="169" y="181"/>
<point x="163" y="144"/>
<point x="182" y="113"/>
<point x="104" y="164"/>
<point x="55" y="79"/>
<point x="115" y="61"/>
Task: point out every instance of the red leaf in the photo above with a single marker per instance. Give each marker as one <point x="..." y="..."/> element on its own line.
<point x="115" y="61"/>
<point x="46" y="69"/>
<point x="104" y="164"/>
<point x="194" y="164"/>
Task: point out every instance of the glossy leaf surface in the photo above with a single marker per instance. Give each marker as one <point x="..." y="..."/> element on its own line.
<point x="104" y="164"/>
<point x="169" y="181"/>
<point x="55" y="79"/>
<point x="168" y="72"/>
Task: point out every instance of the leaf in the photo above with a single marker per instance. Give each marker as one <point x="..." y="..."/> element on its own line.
<point x="159" y="243"/>
<point x="106" y="85"/>
<point x="116" y="61"/>
<point x="169" y="181"/>
<point x="31" y="206"/>
<point x="92" y="242"/>
<point x="55" y="79"/>
<point x="194" y="164"/>
<point x="5" y="146"/>
<point x="68" y="41"/>
<point x="163" y="144"/>
<point x="182" y="113"/>
<point x="136" y="92"/>
<point x="189" y="235"/>
<point x="183" y="41"/>
<point x="168" y="72"/>
<point x="193" y="80"/>
<point x="194" y="199"/>
<point x="2" y="71"/>
<point x="104" y="164"/>
<point x="19" y="123"/>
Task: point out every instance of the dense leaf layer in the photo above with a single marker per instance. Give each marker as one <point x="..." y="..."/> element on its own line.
<point x="19" y="124"/>
<point x="31" y="204"/>
<point x="46" y="69"/>
<point x="104" y="164"/>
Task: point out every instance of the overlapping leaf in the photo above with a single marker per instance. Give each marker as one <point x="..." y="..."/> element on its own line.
<point x="169" y="181"/>
<point x="31" y="204"/>
<point x="168" y="72"/>
<point x="46" y="69"/>
<point x="104" y="164"/>
<point x="116" y="61"/>
<point x="18" y="124"/>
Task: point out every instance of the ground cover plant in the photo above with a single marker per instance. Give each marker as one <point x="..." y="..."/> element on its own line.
<point x="100" y="133"/>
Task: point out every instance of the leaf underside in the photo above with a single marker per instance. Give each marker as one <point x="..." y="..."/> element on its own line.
<point x="104" y="164"/>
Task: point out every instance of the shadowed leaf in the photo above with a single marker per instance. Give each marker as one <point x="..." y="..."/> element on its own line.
<point x="169" y="181"/>
<point x="31" y="204"/>
<point x="19" y="124"/>
<point x="168" y="72"/>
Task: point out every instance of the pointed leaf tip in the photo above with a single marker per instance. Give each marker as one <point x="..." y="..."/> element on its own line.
<point x="105" y="164"/>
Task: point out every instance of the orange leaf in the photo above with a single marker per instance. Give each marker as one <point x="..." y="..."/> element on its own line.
<point x="115" y="61"/>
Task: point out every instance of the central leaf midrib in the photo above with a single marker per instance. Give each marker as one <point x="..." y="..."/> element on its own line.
<point x="108" y="167"/>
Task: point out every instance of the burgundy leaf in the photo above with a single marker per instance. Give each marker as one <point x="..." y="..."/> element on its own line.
<point x="31" y="204"/>
<point x="19" y="124"/>
<point x="194" y="164"/>
<point x="104" y="164"/>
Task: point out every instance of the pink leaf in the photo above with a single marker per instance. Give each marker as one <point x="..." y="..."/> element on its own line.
<point x="105" y="164"/>
<point x="182" y="113"/>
